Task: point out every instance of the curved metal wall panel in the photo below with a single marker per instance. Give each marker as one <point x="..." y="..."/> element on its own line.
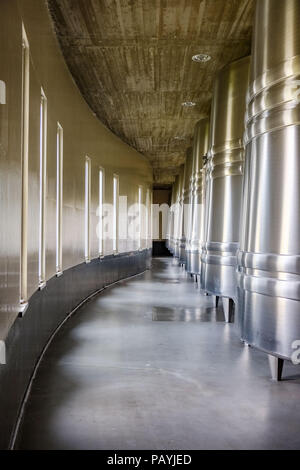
<point x="83" y="136"/>
<point x="50" y="196"/>
<point x="269" y="258"/>
<point x="225" y="169"/>
<point x="196" y="233"/>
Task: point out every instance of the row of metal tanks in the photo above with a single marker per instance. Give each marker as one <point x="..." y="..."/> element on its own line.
<point x="235" y="215"/>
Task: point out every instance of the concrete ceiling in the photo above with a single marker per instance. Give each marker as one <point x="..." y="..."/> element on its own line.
<point x="132" y="61"/>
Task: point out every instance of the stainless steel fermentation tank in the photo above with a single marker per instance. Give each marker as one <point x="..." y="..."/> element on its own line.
<point x="269" y="257"/>
<point x="190" y="219"/>
<point x="196" y="225"/>
<point x="224" y="183"/>
<point x="179" y="214"/>
<point x="170" y="226"/>
<point x="171" y="234"/>
<point x="185" y="204"/>
<point x="205" y="193"/>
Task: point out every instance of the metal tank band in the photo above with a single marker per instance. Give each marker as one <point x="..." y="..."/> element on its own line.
<point x="269" y="257"/>
<point x="200" y="147"/>
<point x="224" y="181"/>
<point x="185" y="204"/>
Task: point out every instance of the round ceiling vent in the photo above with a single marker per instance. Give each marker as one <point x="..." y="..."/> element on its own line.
<point x="201" y="58"/>
<point x="188" y="104"/>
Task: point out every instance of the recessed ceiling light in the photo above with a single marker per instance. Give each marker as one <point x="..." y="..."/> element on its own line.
<point x="201" y="58"/>
<point x="188" y="104"/>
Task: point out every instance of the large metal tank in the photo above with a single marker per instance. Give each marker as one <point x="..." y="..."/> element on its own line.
<point x="205" y="199"/>
<point x="195" y="240"/>
<point x="170" y="221"/>
<point x="225" y="170"/>
<point x="269" y="257"/>
<point x="179" y="213"/>
<point x="171" y="243"/>
<point x="185" y="203"/>
<point x="190" y="219"/>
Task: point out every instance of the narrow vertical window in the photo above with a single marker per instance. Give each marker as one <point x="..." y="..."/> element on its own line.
<point x="140" y="218"/>
<point x="59" y="198"/>
<point x="24" y="166"/>
<point x="43" y="165"/>
<point x="115" y="212"/>
<point x="87" y="208"/>
<point x="101" y="202"/>
<point x="2" y="92"/>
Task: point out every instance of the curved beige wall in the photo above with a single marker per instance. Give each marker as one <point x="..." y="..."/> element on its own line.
<point x="84" y="136"/>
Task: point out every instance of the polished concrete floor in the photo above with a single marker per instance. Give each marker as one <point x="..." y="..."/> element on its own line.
<point x="150" y="364"/>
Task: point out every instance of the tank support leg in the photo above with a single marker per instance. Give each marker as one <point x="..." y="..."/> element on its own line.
<point x="215" y="300"/>
<point x="228" y="308"/>
<point x="276" y="366"/>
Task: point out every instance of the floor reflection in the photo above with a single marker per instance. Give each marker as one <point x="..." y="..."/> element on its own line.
<point x="201" y="314"/>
